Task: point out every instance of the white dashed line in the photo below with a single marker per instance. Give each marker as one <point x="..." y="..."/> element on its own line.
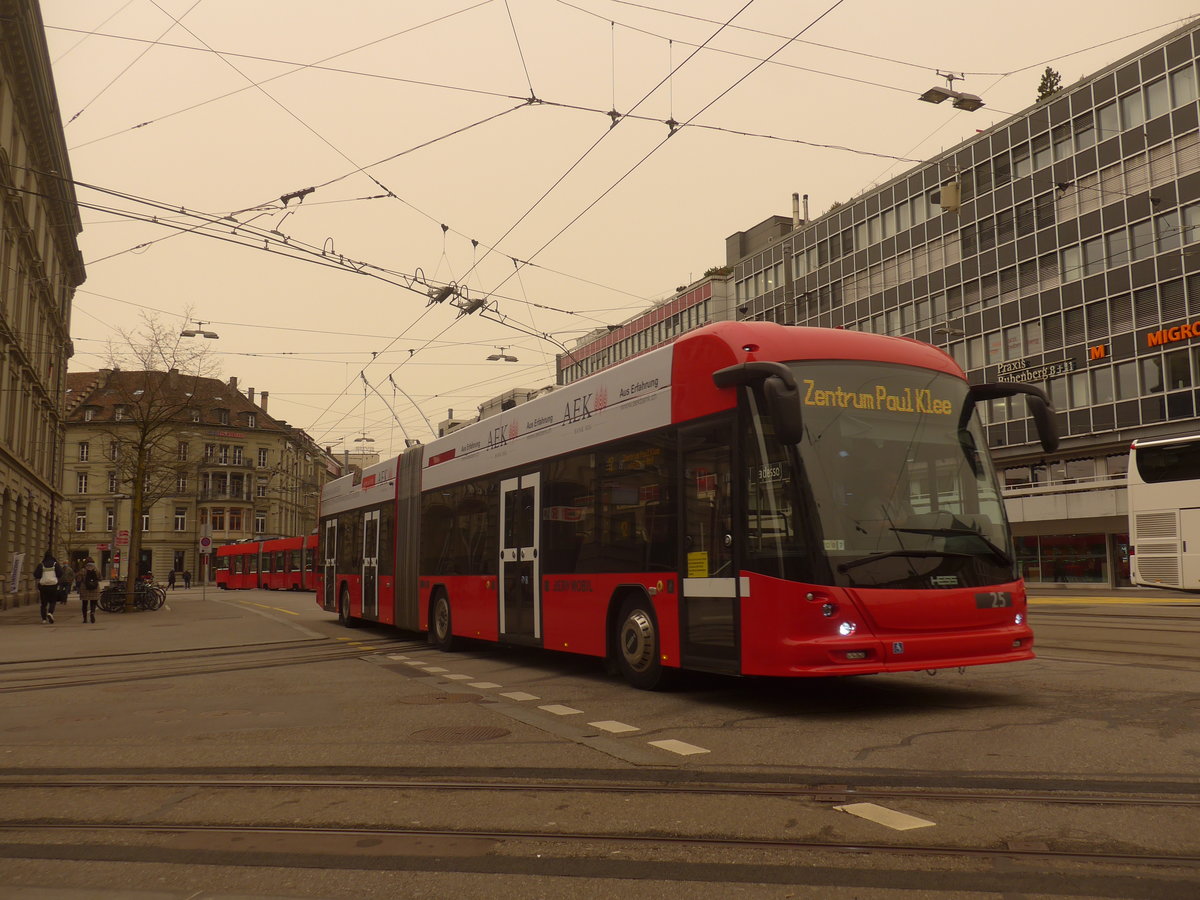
<point x="678" y="747"/>
<point x="520" y="695"/>
<point x="483" y="685"/>
<point x="416" y="664"/>
<point x="396" y="656"/>
<point x="884" y="816"/>
<point x="459" y="677"/>
<point x="614" y="727"/>
<point x="559" y="710"/>
<point x="436" y="669"/>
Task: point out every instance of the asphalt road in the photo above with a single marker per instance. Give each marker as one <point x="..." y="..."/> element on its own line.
<point x="245" y="745"/>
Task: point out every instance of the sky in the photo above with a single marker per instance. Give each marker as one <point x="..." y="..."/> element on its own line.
<point x="468" y="143"/>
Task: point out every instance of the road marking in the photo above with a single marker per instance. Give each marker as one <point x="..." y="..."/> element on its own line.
<point x="614" y="727"/>
<point x="436" y="669"/>
<point x="274" y="608"/>
<point x="1109" y="601"/>
<point x="458" y="677"/>
<point x="520" y="695"/>
<point x="390" y="655"/>
<point x="683" y="749"/>
<point x="559" y="710"/>
<point x="417" y="664"/>
<point x="884" y="816"/>
<point x="483" y="685"/>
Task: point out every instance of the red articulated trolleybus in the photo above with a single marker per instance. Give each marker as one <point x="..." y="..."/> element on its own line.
<point x="279" y="564"/>
<point x="754" y="499"/>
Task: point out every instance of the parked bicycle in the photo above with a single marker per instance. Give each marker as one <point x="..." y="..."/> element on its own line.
<point x="146" y="595"/>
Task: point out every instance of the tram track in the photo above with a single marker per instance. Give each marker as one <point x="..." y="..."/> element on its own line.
<point x="820" y="792"/>
<point x="42" y="675"/>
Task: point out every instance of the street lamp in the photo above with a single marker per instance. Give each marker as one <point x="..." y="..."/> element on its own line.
<point x="199" y="331"/>
<point x="502" y="356"/>
<point x="962" y="100"/>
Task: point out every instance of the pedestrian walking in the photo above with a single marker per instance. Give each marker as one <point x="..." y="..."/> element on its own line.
<point x="171" y="579"/>
<point x="65" y="582"/>
<point x="187" y="578"/>
<point x="47" y="576"/>
<point x="89" y="590"/>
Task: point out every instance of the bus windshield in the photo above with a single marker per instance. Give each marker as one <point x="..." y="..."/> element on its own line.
<point x="902" y="496"/>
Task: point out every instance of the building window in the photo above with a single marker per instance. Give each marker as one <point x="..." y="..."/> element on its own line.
<point x="80" y="519"/>
<point x="223" y="454"/>
<point x="1183" y="86"/>
<point x="195" y="415"/>
<point x="183" y="451"/>
<point x="251" y="420"/>
<point x="181" y="484"/>
<point x="262" y="457"/>
<point x="1158" y="101"/>
<point x="210" y="451"/>
<point x="222" y="416"/>
<point x="118" y="412"/>
<point x="1070" y="264"/>
<point x="181" y="518"/>
<point x="235" y="518"/>
<point x="237" y="456"/>
<point x="88" y="414"/>
<point x="83" y="451"/>
<point x="260" y="523"/>
<point x="110" y="518"/>
<point x="145" y="521"/>
<point x="81" y="483"/>
<point x="218" y="518"/>
<point x="260" y="490"/>
<point x="114" y="450"/>
<point x="112" y="482"/>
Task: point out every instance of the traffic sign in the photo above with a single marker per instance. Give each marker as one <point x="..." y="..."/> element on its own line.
<point x="102" y="547"/>
<point x="206" y="545"/>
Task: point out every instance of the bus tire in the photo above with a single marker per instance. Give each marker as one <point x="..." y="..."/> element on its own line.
<point x="441" y="631"/>
<point x="344" y="616"/>
<point x="637" y="645"/>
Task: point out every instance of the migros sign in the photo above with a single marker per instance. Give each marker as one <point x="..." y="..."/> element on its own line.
<point x="1173" y="335"/>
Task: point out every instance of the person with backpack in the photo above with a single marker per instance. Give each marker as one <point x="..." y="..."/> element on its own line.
<point x="47" y="575"/>
<point x="89" y="590"/>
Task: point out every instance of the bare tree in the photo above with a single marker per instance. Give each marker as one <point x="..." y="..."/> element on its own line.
<point x="159" y="378"/>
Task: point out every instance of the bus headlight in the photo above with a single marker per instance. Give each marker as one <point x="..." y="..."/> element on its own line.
<point x="847" y="628"/>
<point x="1018" y="618"/>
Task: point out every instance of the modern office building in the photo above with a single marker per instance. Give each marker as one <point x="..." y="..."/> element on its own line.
<point x="1060" y="247"/>
<point x="219" y="467"/>
<point x="40" y="267"/>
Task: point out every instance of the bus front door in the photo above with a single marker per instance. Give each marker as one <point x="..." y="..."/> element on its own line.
<point x="329" y="565"/>
<point x="520" y="594"/>
<point x="370" y="565"/>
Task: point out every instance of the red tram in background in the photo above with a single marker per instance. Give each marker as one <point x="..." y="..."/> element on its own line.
<point x="279" y="564"/>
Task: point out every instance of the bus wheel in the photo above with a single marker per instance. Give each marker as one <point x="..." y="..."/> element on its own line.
<point x="637" y="645"/>
<point x="344" y="616"/>
<point x="441" y="635"/>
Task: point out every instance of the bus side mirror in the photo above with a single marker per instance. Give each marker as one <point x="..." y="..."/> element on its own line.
<point x="1039" y="408"/>
<point x="779" y="388"/>
<point x="783" y="400"/>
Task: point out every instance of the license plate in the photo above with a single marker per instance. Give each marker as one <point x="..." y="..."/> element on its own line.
<point x="993" y="600"/>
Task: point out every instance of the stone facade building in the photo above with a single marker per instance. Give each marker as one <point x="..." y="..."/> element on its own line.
<point x="40" y="267"/>
<point x="219" y="467"/>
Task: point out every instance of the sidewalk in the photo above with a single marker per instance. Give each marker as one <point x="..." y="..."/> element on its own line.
<point x="190" y="619"/>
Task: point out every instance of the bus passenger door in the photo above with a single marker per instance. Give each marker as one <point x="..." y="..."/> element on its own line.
<point x="520" y="582"/>
<point x="710" y="620"/>
<point x="329" y="565"/>
<point x="370" y="565"/>
<point x="1189" y="547"/>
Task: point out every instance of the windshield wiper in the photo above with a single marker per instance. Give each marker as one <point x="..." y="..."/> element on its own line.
<point x="995" y="549"/>
<point x="888" y="554"/>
